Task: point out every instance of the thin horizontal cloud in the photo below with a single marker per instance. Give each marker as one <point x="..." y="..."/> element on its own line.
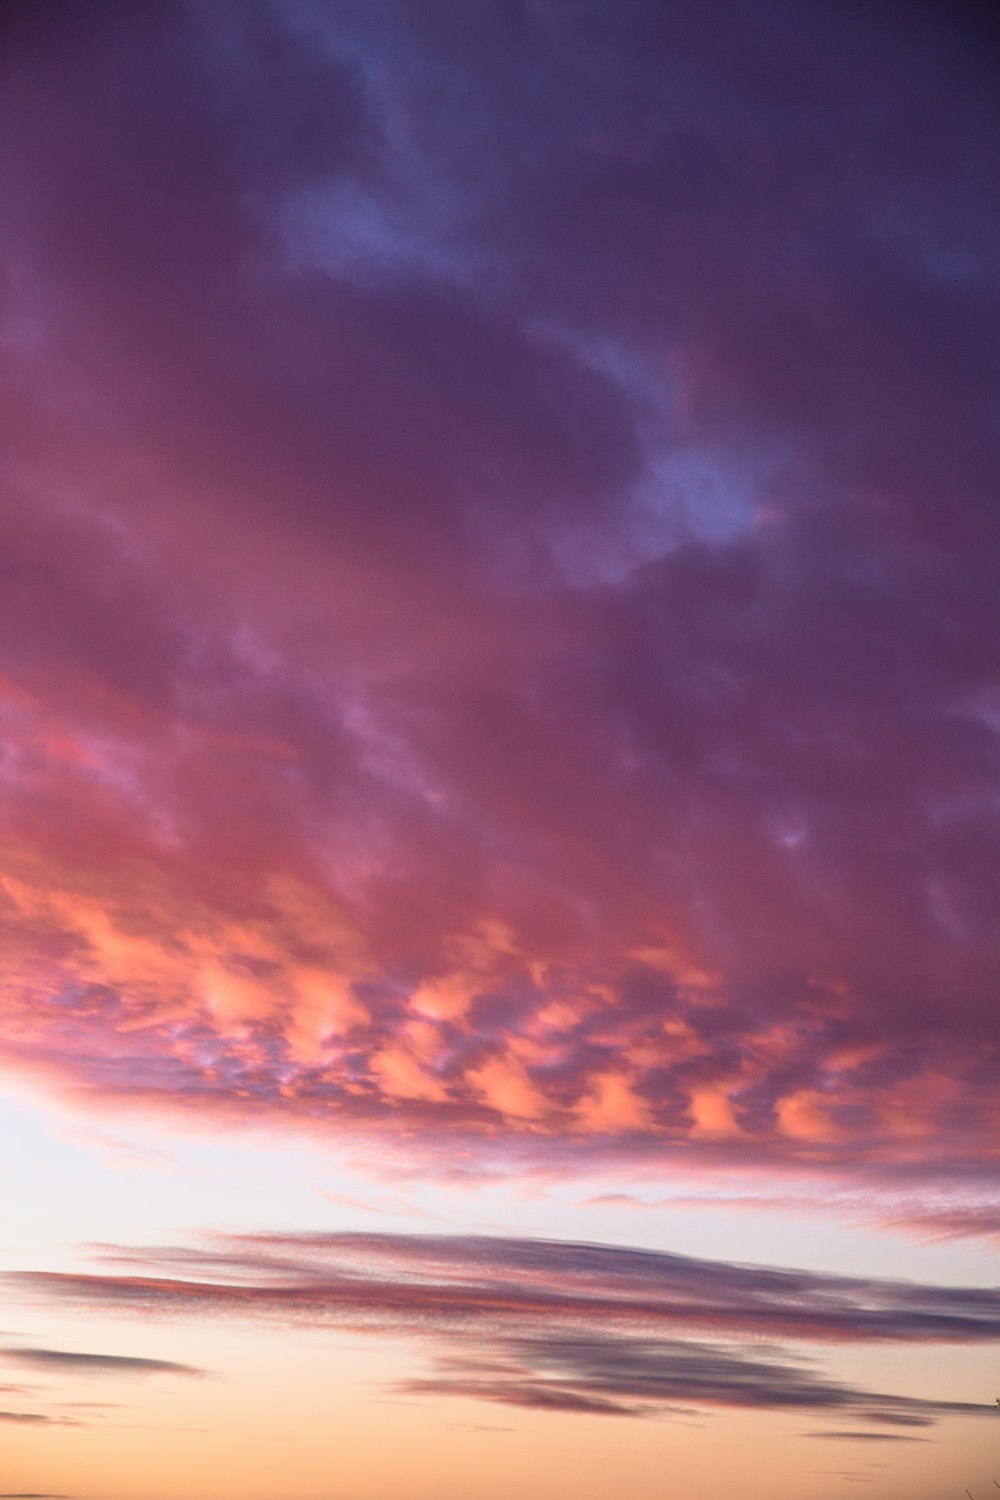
<point x="866" y="1437"/>
<point x="36" y="1419"/>
<point x="947" y="1222"/>
<point x="465" y="1278"/>
<point x="478" y="1427"/>
<point x="557" y="1325"/>
<point x="638" y="1378"/>
<point x="917" y="1213"/>
<point x="98" y="1364"/>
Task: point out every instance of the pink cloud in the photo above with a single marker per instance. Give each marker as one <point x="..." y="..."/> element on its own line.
<point x="934" y="1213"/>
<point x="513" y="660"/>
<point x="506" y="1087"/>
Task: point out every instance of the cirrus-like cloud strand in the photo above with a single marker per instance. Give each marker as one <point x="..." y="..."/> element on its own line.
<point x="557" y="1325"/>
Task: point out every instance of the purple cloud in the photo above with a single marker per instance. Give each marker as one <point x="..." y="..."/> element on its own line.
<point x="556" y="1325"/>
<point x="498" y="631"/>
<point x="67" y="1361"/>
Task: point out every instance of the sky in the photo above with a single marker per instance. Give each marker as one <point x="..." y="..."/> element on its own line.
<point x="500" y="750"/>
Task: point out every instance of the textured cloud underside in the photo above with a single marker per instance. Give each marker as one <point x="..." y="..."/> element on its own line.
<point x="498" y="629"/>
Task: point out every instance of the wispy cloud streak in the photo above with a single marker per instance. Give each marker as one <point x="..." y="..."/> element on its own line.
<point x="934" y="1217"/>
<point x="67" y="1361"/>
<point x="556" y="1325"/>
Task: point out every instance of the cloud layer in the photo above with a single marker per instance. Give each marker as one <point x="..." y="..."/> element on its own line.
<point x="498" y="625"/>
<point x="558" y="1325"/>
<point x="67" y="1361"/>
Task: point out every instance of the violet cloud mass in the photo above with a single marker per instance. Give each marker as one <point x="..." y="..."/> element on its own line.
<point x="499" y="749"/>
<point x="518" y="658"/>
<point x="500" y="633"/>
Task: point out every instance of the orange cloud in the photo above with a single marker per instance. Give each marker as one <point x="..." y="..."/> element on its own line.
<point x="505" y="1086"/>
<point x="711" y="1110"/>
<point x="612" y="1106"/>
<point x="804" y="1117"/>
<point x="402" y="1077"/>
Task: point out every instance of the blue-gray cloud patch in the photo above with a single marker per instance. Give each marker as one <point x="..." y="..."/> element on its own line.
<point x="101" y="1364"/>
<point x="556" y="1325"/>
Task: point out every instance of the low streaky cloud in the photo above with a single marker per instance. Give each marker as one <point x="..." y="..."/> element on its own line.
<point x="469" y="1427"/>
<point x="944" y="1222"/>
<point x="558" y="1325"/>
<point x="931" y="1218"/>
<point x="36" y="1419"/>
<point x="98" y="1364"/>
<point x="866" y="1437"/>
<point x="634" y="1377"/>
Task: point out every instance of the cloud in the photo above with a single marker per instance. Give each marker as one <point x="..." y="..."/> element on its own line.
<point x="462" y="1279"/>
<point x="866" y="1437"/>
<point x="929" y="1211"/>
<point x="106" y="1364"/>
<point x="34" y="1418"/>
<point x="947" y="1221"/>
<point x="556" y="1325"/>
<point x="477" y="1427"/>
<point x="634" y="1378"/>
<point x="498" y="615"/>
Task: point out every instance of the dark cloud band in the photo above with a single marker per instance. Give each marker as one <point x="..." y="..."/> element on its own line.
<point x="557" y="1325"/>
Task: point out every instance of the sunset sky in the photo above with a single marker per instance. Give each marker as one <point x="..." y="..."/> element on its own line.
<point x="500" y="750"/>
